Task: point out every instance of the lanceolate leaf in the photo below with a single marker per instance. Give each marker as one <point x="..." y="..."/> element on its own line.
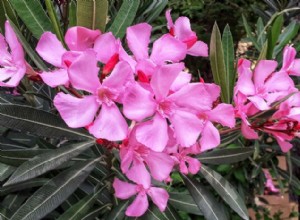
<point x="38" y="122"/>
<point x="226" y="191"/>
<point x="273" y="35"/>
<point x="7" y="10"/>
<point x="249" y="33"/>
<point x="118" y="212"/>
<point x="53" y="193"/>
<point x="263" y="52"/>
<point x="261" y="35"/>
<point x="80" y="209"/>
<point x="5" y="171"/>
<point x="72" y="13"/>
<point x="205" y="200"/>
<point x="92" y="14"/>
<point x="184" y="202"/>
<point x="33" y="15"/>
<point x="156" y="11"/>
<point x="47" y="161"/>
<point x="226" y="156"/>
<point x="153" y="213"/>
<point x="218" y="65"/>
<point x="227" y="42"/>
<point x="124" y="17"/>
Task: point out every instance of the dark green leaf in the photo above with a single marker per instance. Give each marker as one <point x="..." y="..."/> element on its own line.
<point x="226" y="191"/>
<point x="33" y="15"/>
<point x="47" y="161"/>
<point x="261" y="35"/>
<point x="273" y="35"/>
<point x="92" y="14"/>
<point x="204" y="199"/>
<point x="72" y="13"/>
<point x="7" y="10"/>
<point x="93" y="213"/>
<point x="278" y="178"/>
<point x="53" y="193"/>
<point x="124" y="17"/>
<point x="250" y="34"/>
<point x="153" y="213"/>
<point x="226" y="156"/>
<point x="184" y="202"/>
<point x="38" y="122"/>
<point x="263" y="52"/>
<point x="227" y="43"/>
<point x="118" y="212"/>
<point x="156" y="11"/>
<point x="5" y="171"/>
<point x="218" y="64"/>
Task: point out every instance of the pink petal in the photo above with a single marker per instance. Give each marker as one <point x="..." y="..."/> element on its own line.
<point x="262" y="70"/>
<point x="15" y="78"/>
<point x="4" y="54"/>
<point x="223" y="114"/>
<point x="5" y="74"/>
<point x="279" y="81"/>
<point x="15" y="46"/>
<point x="50" y="49"/>
<point x="167" y="48"/>
<point x="169" y="19"/>
<point x="244" y="66"/>
<point x="83" y="72"/>
<point x="289" y="54"/>
<point x="163" y="78"/>
<point x="259" y="102"/>
<point x="284" y="145"/>
<point x="159" y="197"/>
<point x="198" y="49"/>
<point x="295" y="68"/>
<point x="74" y="111"/>
<point x="81" y="38"/>
<point x="123" y="190"/>
<point x="160" y="165"/>
<point x="248" y="132"/>
<point x="126" y="156"/>
<point x="187" y="127"/>
<point x="181" y="80"/>
<point x="138" y="207"/>
<point x="138" y="103"/>
<point x="55" y="78"/>
<point x="245" y="84"/>
<point x="110" y="124"/>
<point x="194" y="165"/>
<point x="210" y="137"/>
<point x="183" y="167"/>
<point x="138" y="38"/>
<point x="183" y="29"/>
<point x="69" y="57"/>
<point x="139" y="174"/>
<point x="153" y="133"/>
<point x="106" y="45"/>
<point x="146" y="66"/>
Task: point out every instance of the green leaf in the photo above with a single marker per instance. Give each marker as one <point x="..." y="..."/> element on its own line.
<point x="295" y="182"/>
<point x="38" y="122"/>
<point x="218" y="64"/>
<point x="92" y="14"/>
<point x="47" y="161"/>
<point x="286" y="36"/>
<point x="95" y="212"/>
<point x="72" y="14"/>
<point x="118" y="212"/>
<point x="33" y="15"/>
<point x="7" y="10"/>
<point x="156" y="11"/>
<point x="249" y="33"/>
<point x="5" y="171"/>
<point x="280" y="183"/>
<point x="124" y="17"/>
<point x="79" y="210"/>
<point x="273" y="35"/>
<point x="227" y="43"/>
<point x="184" y="202"/>
<point x="153" y="213"/>
<point x="204" y="199"/>
<point x="260" y="32"/>
<point x="226" y="191"/>
<point x="263" y="52"/>
<point x="226" y="156"/>
<point x="54" y="21"/>
<point x="53" y="193"/>
<point x="31" y="53"/>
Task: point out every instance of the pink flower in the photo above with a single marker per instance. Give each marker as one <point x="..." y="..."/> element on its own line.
<point x="52" y="51"/>
<point x="80" y="112"/>
<point x="182" y="31"/>
<point x="139" y="206"/>
<point x="289" y="63"/>
<point x="133" y="153"/>
<point x="269" y="183"/>
<point x="12" y="62"/>
<point x="160" y="104"/>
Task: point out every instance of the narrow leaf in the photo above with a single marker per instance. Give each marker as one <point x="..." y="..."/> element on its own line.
<point x="218" y="65"/>
<point x="184" y="202"/>
<point x="47" y="161"/>
<point x="72" y="13"/>
<point x="124" y="17"/>
<point x="56" y="191"/>
<point x="226" y="191"/>
<point x="38" y="122"/>
<point x="204" y="199"/>
<point x="156" y="11"/>
<point x="249" y="33"/>
<point x="226" y="156"/>
<point x="118" y="212"/>
<point x="263" y="52"/>
<point x="260" y="32"/>
<point x="33" y="15"/>
<point x="7" y="11"/>
<point x="5" y="171"/>
<point x="92" y="14"/>
<point x="273" y="35"/>
<point x="153" y="213"/>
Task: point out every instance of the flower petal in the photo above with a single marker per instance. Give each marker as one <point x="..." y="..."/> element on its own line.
<point x="289" y="54"/>
<point x="279" y="81"/>
<point x="159" y="197"/>
<point x="138" y="207"/>
<point x="210" y="137"/>
<point x="50" y="49"/>
<point x="106" y="45"/>
<point x="15" y="78"/>
<point x="194" y="165"/>
<point x="110" y="124"/>
<point x="81" y="38"/>
<point x="74" y="111"/>
<point x="198" y="49"/>
<point x="153" y="133"/>
<point x="139" y="174"/>
<point x="259" y="102"/>
<point x="181" y="80"/>
<point x="83" y="72"/>
<point x="138" y="38"/>
<point x="248" y="132"/>
<point x="263" y="70"/>
<point x="55" y="78"/>
<point x="169" y="19"/>
<point x="167" y="48"/>
<point x="223" y="114"/>
<point x="4" y="54"/>
<point x="123" y="190"/>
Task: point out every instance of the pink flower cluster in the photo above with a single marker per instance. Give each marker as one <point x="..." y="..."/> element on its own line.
<point x="144" y="100"/>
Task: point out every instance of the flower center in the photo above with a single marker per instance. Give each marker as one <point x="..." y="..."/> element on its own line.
<point x="106" y="95"/>
<point x="165" y="108"/>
